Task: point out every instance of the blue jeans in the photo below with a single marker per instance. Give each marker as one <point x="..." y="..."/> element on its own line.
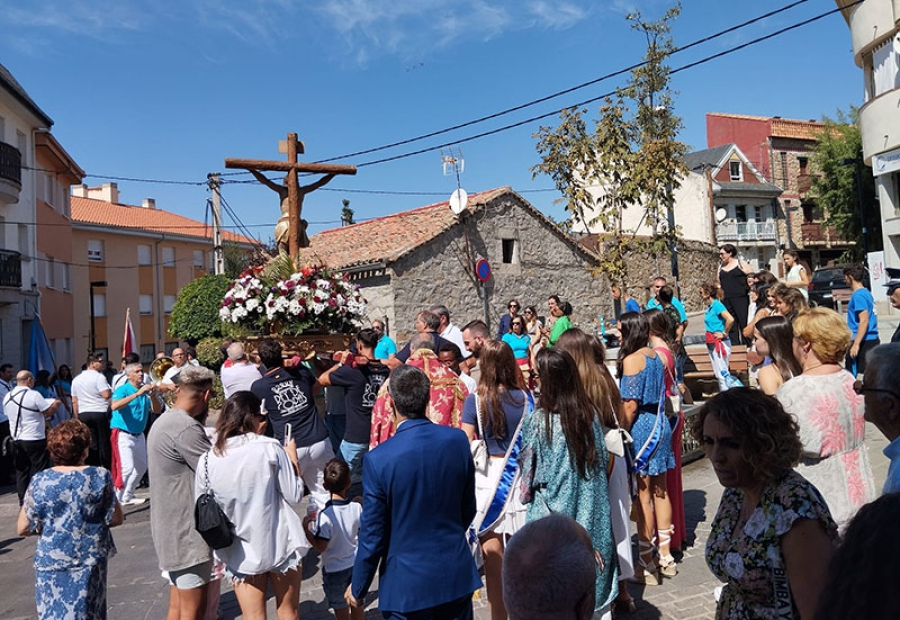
<point x="353" y="453"/>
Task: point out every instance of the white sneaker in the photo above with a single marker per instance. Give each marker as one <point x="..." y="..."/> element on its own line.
<point x="135" y="501"/>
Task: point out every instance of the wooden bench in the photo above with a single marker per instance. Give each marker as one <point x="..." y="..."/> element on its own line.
<point x="698" y="369"/>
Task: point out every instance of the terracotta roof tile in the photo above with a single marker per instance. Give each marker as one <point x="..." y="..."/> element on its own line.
<point x="387" y="238"/>
<point x="102" y="213"/>
<point x="803" y="130"/>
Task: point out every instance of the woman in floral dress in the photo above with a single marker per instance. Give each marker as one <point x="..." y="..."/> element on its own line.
<point x="71" y="506"/>
<point x="830" y="415"/>
<point x="772" y="537"/>
<point x="564" y="462"/>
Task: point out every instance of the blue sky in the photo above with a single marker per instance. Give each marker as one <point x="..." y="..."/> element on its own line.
<point x="159" y="89"/>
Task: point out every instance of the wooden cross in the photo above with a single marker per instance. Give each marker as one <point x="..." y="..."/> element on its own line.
<point x="291" y="196"/>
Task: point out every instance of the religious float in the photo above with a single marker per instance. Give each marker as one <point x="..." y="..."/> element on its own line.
<point x="309" y="310"/>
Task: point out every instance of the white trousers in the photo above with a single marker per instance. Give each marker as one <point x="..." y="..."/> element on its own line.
<point x="133" y="460"/>
<point x="312" y="469"/>
<point x="720" y="363"/>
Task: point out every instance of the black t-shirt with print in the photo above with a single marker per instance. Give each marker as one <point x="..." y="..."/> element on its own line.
<point x="362" y="384"/>
<point x="287" y="394"/>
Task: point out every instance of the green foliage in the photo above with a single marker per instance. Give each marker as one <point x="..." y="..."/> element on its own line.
<point x="834" y="184"/>
<point x="196" y="312"/>
<point x="236" y="259"/>
<point x="218" y="394"/>
<point x="209" y="353"/>
<point x="346" y="213"/>
<point x="632" y="153"/>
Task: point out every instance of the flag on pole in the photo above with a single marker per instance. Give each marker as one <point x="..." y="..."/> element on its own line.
<point x="40" y="355"/>
<point x="128" y="343"/>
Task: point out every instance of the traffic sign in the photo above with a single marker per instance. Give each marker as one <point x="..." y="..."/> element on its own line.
<point x="483" y="270"/>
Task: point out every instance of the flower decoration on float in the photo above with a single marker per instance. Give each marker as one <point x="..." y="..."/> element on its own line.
<point x="312" y="299"/>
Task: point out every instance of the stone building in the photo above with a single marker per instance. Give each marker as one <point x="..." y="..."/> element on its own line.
<point x="407" y="261"/>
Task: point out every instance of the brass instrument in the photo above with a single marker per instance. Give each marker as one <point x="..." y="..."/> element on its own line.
<point x="159" y="367"/>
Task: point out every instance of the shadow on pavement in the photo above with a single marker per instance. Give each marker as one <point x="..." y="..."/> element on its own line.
<point x="694" y="513"/>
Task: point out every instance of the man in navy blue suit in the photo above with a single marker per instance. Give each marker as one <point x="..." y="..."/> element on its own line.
<point x="418" y="501"/>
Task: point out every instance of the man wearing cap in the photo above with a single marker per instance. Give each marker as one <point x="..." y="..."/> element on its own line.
<point x="177" y="441"/>
<point x="240" y="374"/>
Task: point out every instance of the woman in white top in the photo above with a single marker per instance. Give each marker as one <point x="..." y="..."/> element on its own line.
<point x="256" y="482"/>
<point x="797" y="275"/>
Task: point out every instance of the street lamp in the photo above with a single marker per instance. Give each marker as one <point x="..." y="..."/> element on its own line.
<point x="857" y="163"/>
<point x="97" y="284"/>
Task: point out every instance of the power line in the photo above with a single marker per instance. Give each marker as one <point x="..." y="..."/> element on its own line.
<point x="539" y="117"/>
<point x="566" y="91"/>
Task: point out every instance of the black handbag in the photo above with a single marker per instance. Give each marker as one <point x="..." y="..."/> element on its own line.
<point x="209" y="519"/>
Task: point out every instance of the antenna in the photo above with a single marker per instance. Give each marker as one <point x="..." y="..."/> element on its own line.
<point x="459" y="200"/>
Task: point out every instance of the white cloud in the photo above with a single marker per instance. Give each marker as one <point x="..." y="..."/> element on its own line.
<point x="371" y="28"/>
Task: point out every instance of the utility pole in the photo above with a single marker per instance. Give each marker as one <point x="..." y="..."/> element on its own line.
<point x="218" y="250"/>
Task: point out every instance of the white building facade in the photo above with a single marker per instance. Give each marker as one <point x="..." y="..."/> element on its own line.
<point x="875" y="33"/>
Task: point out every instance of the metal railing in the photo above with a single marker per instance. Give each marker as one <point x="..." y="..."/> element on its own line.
<point x="10" y="163"/>
<point x="745" y="231"/>
<point x="10" y="269"/>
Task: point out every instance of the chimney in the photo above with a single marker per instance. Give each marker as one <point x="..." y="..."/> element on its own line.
<point x="108" y="192"/>
<point x="81" y="191"/>
<point x="148" y="203"/>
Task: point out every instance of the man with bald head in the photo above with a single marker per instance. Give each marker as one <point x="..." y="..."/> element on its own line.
<point x="882" y="397"/>
<point x="28" y="412"/>
<point x="550" y="571"/>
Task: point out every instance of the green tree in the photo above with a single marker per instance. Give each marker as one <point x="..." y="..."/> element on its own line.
<point x="195" y="315"/>
<point x="632" y="153"/>
<point x="346" y="213"/>
<point x="834" y="184"/>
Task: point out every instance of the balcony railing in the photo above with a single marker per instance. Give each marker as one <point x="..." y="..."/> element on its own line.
<point x="10" y="269"/>
<point x="10" y="164"/>
<point x="745" y="231"/>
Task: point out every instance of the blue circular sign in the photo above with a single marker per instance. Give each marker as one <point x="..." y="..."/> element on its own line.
<point x="483" y="270"/>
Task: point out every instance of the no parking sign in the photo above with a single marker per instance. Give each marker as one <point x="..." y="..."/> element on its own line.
<point x="483" y="270"/>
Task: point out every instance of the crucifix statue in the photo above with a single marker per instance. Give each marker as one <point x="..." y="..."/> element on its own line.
<point x="290" y="231"/>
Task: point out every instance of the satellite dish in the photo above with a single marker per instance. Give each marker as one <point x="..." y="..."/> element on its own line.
<point x="721" y="214"/>
<point x="459" y="200"/>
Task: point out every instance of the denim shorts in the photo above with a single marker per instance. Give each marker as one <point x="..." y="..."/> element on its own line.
<point x="191" y="577"/>
<point x="335" y="585"/>
<point x="292" y="562"/>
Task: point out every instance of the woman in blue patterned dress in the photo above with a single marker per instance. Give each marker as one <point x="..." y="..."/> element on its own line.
<point x="642" y="384"/>
<point x="71" y="506"/>
<point x="564" y="463"/>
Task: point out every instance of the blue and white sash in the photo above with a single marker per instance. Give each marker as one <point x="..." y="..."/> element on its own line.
<point x="645" y="453"/>
<point x="488" y="518"/>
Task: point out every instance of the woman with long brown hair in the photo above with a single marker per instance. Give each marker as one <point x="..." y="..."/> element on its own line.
<point x="256" y="482"/>
<point x="494" y="414"/>
<point x="564" y="462"/>
<point x="603" y="391"/>
<point x="773" y="337"/>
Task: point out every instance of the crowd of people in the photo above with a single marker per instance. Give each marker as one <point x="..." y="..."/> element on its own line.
<point x="523" y="453"/>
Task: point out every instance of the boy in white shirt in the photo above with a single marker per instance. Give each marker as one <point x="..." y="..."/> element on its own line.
<point x="333" y="533"/>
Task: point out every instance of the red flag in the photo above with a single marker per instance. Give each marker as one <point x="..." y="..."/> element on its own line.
<point x="128" y="344"/>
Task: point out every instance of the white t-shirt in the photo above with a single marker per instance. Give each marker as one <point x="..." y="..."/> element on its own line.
<point x="86" y="387"/>
<point x="469" y="382"/>
<point x="33" y="406"/>
<point x="171" y="372"/>
<point x="454" y="335"/>
<point x="239" y="376"/>
<point x="338" y="523"/>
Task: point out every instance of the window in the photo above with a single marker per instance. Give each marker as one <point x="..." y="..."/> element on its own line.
<point x="24" y="247"/>
<point x="144" y="255"/>
<point x="95" y="251"/>
<point x="146" y="304"/>
<point x="104" y="353"/>
<point x="148" y="353"/>
<point x="168" y="303"/>
<point x="171" y="346"/>
<point x="803" y="162"/>
<point x="99" y="304"/>
<point x="66" y="274"/>
<point x="50" y="267"/>
<point x="740" y="213"/>
<point x="510" y="251"/>
<point x="168" y="257"/>
<point x="734" y="169"/>
<point x="199" y="259"/>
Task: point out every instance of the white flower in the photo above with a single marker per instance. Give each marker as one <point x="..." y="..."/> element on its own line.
<point x="734" y="565"/>
<point x="252" y="304"/>
<point x="224" y="314"/>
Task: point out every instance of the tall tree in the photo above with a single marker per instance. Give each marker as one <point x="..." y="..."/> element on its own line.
<point x="834" y="184"/>
<point x="633" y="154"/>
<point x="346" y="213"/>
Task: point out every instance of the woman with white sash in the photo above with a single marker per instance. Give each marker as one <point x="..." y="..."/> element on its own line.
<point x="494" y="414"/>
<point x="642" y="384"/>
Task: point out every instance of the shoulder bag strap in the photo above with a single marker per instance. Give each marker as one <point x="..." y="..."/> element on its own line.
<point x="478" y="418"/>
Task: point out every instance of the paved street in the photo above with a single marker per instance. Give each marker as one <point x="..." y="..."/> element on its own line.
<point x="136" y="590"/>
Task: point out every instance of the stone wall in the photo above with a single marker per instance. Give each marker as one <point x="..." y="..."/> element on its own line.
<point x="544" y="262"/>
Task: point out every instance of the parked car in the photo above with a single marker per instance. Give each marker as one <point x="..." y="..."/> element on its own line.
<point x="827" y="285"/>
